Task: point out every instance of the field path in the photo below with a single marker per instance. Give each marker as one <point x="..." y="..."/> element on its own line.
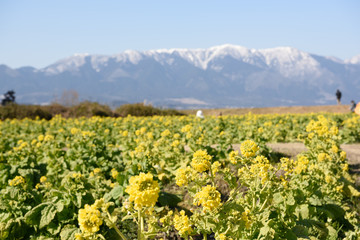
<point x="293" y="149"/>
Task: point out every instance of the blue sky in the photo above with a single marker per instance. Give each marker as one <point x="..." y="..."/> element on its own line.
<point x="40" y="32"/>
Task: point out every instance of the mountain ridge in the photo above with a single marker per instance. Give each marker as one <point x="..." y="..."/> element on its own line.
<point x="220" y="76"/>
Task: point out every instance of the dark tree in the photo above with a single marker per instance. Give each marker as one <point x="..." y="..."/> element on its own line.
<point x="9" y="97"/>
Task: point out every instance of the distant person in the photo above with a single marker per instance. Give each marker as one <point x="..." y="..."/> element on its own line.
<point x="199" y="114"/>
<point x="352" y="106"/>
<point x="338" y="96"/>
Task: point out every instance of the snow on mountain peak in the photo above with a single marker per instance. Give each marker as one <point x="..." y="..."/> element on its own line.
<point x="129" y="55"/>
<point x="354" y="60"/>
<point x="68" y="64"/>
<point x="288" y="61"/>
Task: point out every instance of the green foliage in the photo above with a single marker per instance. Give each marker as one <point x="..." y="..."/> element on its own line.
<point x="139" y="109"/>
<point x="83" y="109"/>
<point x="49" y="170"/>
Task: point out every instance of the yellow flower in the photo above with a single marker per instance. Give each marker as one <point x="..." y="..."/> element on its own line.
<point x="175" y="143"/>
<point x="182" y="224"/>
<point x="232" y="156"/>
<point x="182" y="176"/>
<point x="165" y="133"/>
<point x="97" y="170"/>
<point x="201" y="161"/>
<point x="245" y="216"/>
<point x="18" y="180"/>
<point x="43" y="179"/>
<point x="215" y="167"/>
<point x="221" y="236"/>
<point x="322" y="157"/>
<point x="114" y="173"/>
<point x="301" y="164"/>
<point x="76" y="175"/>
<point x="328" y="179"/>
<point x="186" y="128"/>
<point x="41" y="138"/>
<point x="343" y="155"/>
<point x="334" y="149"/>
<point x="90" y="219"/>
<point x="143" y="190"/>
<point x="48" y="138"/>
<point x="208" y="197"/>
<point x="249" y="148"/>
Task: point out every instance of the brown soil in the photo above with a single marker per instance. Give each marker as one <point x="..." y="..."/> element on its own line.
<point x="274" y="110"/>
<point x="292" y="149"/>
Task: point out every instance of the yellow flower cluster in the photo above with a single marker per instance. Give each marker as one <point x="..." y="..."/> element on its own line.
<point x="182" y="176"/>
<point x="201" y="161"/>
<point x="165" y="133"/>
<point x="222" y="236"/>
<point x="261" y="168"/>
<point x="114" y="173"/>
<point x="21" y="146"/>
<point x="18" y="180"/>
<point x="215" y="167"/>
<point x="182" y="224"/>
<point x="208" y="197"/>
<point x="143" y="190"/>
<point x="301" y="164"/>
<point x="245" y="216"/>
<point x="322" y="127"/>
<point x="233" y="156"/>
<point x="249" y="148"/>
<point x="90" y="219"/>
<point x="323" y="157"/>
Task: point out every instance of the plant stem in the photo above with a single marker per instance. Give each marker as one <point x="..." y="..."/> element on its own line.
<point x="113" y="225"/>
<point x="120" y="233"/>
<point x="205" y="236"/>
<point x="140" y="226"/>
<point x="263" y="205"/>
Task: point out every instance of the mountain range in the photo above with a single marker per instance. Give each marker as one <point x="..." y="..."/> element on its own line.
<point x="220" y="76"/>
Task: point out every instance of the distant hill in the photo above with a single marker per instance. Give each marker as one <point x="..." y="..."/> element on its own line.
<point x="217" y="77"/>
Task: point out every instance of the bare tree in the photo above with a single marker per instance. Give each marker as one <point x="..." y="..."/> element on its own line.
<point x="69" y="98"/>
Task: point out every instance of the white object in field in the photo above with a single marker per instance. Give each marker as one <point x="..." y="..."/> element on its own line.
<point x="199" y="114"/>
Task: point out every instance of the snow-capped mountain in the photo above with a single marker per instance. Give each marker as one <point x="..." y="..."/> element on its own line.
<point x="220" y="76"/>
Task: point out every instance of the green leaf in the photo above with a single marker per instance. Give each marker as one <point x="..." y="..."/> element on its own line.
<point x="117" y="192"/>
<point x="68" y="232"/>
<point x="332" y="211"/>
<point x="47" y="215"/>
<point x="303" y="211"/>
<point x="168" y="199"/>
<point x="33" y="216"/>
<point x="277" y="198"/>
<point x="54" y="228"/>
<point x="300" y="231"/>
<point x="290" y="235"/>
<point x="333" y="234"/>
<point x="290" y="200"/>
<point x="60" y="206"/>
